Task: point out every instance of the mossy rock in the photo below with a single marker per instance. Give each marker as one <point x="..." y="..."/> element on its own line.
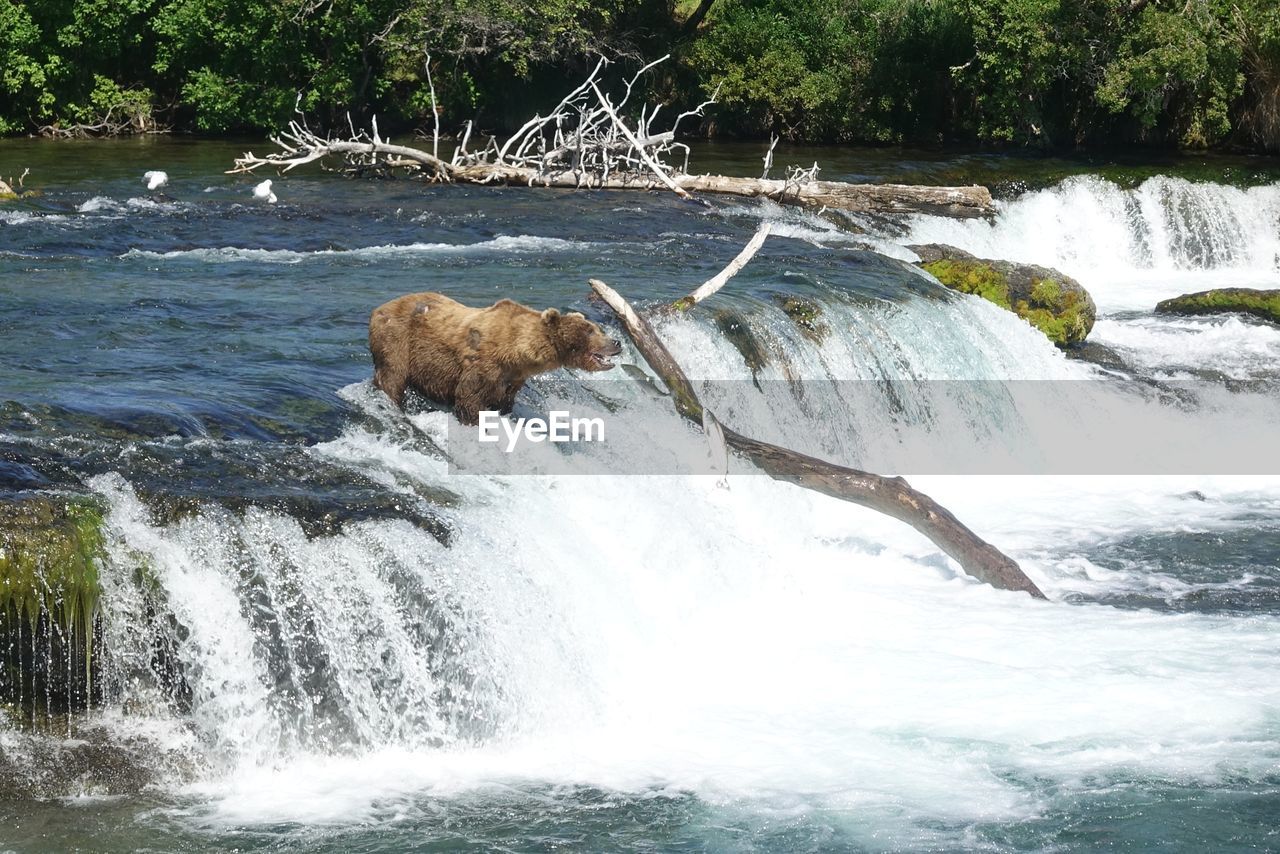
<point x="806" y="314"/>
<point x="736" y="330"/>
<point x="1256" y="303"/>
<point x="49" y="555"/>
<point x="50" y="552"/>
<point x="1056" y="304"/>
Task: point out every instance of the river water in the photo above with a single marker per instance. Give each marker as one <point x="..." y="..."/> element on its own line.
<point x="377" y="653"/>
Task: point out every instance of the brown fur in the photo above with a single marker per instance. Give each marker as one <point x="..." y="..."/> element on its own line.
<point x="476" y="359"/>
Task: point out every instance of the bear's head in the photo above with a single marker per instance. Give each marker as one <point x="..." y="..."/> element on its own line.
<point x="579" y="342"/>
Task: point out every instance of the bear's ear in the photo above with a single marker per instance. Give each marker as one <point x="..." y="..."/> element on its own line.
<point x="550" y="316"/>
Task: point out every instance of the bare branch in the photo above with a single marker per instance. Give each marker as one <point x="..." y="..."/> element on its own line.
<point x="768" y="158"/>
<point x="300" y="146"/>
<point x="644" y="155"/>
<point x="716" y="282"/>
<point x="435" y="110"/>
<point x="586" y="142"/>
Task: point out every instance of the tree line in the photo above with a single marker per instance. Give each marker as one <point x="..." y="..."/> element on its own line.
<point x="1056" y="74"/>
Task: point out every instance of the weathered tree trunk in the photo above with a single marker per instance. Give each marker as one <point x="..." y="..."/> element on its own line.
<point x="892" y="496"/>
<point x="971" y="201"/>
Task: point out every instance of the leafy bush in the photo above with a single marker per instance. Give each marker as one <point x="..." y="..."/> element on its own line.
<point x="1023" y="72"/>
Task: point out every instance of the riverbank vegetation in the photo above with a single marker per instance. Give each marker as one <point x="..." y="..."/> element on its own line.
<point x="1054" y="74"/>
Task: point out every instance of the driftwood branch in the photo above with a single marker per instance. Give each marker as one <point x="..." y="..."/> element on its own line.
<point x="768" y="157"/>
<point x="892" y="496"/>
<point x="588" y="141"/>
<point x="435" y="112"/>
<point x="635" y="143"/>
<point x="716" y="282"/>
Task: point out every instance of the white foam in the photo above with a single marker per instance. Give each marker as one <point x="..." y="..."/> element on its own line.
<point x="762" y="646"/>
<point x="99" y="203"/>
<point x="1237" y="348"/>
<point x="518" y="244"/>
<point x="23" y="217"/>
<point x="766" y="647"/>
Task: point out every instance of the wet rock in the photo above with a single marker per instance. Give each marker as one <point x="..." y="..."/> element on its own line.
<point x="91" y="760"/>
<point x="738" y="333"/>
<point x="1255" y="303"/>
<point x="318" y="514"/>
<point x="1056" y="304"/>
<point x="806" y="314"/>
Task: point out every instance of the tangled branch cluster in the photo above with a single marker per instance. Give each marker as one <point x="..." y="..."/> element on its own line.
<point x="585" y="134"/>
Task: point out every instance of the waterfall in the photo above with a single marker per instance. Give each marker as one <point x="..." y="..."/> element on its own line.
<point x="1130" y="247"/>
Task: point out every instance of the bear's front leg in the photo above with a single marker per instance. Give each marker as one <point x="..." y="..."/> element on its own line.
<point x="477" y="390"/>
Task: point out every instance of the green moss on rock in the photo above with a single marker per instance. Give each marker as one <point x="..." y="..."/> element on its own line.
<point x="806" y="314"/>
<point x="1256" y="303"/>
<point x="971" y="277"/>
<point x="1046" y="291"/>
<point x="1055" y="304"/>
<point x="50" y="551"/>
<point x="49" y="555"/>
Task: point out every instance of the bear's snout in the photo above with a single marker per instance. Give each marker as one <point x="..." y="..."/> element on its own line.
<point x="598" y="358"/>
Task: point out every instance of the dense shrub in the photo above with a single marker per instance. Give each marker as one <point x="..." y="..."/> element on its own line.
<point x="1026" y="72"/>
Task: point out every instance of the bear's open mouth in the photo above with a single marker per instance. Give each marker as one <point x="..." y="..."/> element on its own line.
<point x="601" y="360"/>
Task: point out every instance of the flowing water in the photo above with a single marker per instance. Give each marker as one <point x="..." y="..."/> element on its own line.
<point x="319" y="635"/>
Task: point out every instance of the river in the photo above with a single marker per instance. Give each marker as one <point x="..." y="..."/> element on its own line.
<point x="375" y="652"/>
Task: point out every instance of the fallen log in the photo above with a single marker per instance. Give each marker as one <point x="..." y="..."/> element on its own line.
<point x="585" y="143"/>
<point x="892" y="496"/>
<point x="961" y="202"/>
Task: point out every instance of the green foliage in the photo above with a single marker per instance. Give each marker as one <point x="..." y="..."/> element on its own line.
<point x="22" y="76"/>
<point x="1176" y="68"/>
<point x="781" y="65"/>
<point x="1018" y="53"/>
<point x="108" y="99"/>
<point x="1022" y="72"/>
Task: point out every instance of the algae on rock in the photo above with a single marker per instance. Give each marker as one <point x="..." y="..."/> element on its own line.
<point x="1256" y="303"/>
<point x="1056" y="304"/>
<point x="50" y="552"/>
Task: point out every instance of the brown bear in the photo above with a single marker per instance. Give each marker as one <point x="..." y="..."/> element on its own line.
<point x="476" y="359"/>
